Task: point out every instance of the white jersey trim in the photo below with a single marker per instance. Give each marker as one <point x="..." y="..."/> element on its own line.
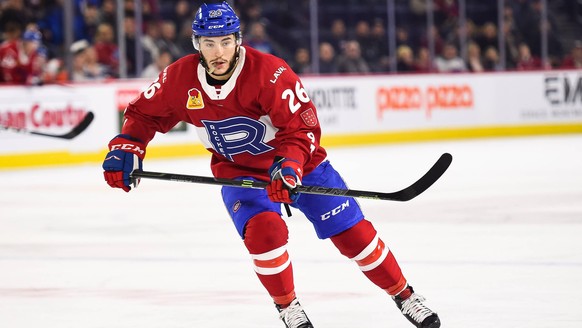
<point x="225" y="90"/>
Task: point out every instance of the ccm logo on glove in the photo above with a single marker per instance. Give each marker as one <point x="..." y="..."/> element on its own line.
<point x="129" y="147"/>
<point x="125" y="155"/>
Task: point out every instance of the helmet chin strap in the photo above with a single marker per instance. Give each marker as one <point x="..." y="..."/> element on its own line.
<point x="231" y="64"/>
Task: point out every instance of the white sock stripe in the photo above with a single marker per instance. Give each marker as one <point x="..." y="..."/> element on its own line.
<point x="368" y="250"/>
<point x="376" y="263"/>
<point x="270" y="255"/>
<point x="271" y="271"/>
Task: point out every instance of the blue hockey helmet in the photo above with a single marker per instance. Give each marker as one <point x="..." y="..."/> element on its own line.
<point x="215" y="19"/>
<point x="32" y="35"/>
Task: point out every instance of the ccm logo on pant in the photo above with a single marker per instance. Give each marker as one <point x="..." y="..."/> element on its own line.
<point x="335" y="211"/>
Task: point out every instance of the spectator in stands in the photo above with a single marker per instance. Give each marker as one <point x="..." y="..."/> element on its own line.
<point x="252" y="12"/>
<point x="107" y="51"/>
<point x="403" y="38"/>
<point x="181" y="13"/>
<point x="301" y="63"/>
<point x="168" y="39"/>
<point x="151" y="38"/>
<point x="574" y="59"/>
<point x="51" y="26"/>
<point x="469" y="31"/>
<point x="491" y="60"/>
<point x="449" y="61"/>
<point x="363" y="36"/>
<point x="351" y="60"/>
<point x="463" y="33"/>
<point x="184" y="39"/>
<point x="474" y="61"/>
<point x="85" y="65"/>
<point x="423" y="61"/>
<point x="327" y="61"/>
<point x="446" y="13"/>
<point x="35" y="56"/>
<point x="405" y="60"/>
<point x="130" y="29"/>
<point x="258" y="38"/>
<point x="162" y="61"/>
<point x="439" y="42"/>
<point x="487" y="36"/>
<point x="91" y="18"/>
<point x="380" y="46"/>
<point x="533" y="32"/>
<point x="526" y="61"/>
<point x="22" y="59"/>
<point x="338" y="35"/>
<point x="109" y="12"/>
<point x="94" y="70"/>
<point x="275" y="28"/>
<point x="52" y="23"/>
<point x="512" y="38"/>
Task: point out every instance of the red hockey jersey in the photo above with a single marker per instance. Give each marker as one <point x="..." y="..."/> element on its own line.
<point x="17" y="67"/>
<point x="261" y="112"/>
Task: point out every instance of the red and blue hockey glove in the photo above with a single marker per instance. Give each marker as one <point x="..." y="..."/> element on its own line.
<point x="285" y="175"/>
<point x="125" y="155"/>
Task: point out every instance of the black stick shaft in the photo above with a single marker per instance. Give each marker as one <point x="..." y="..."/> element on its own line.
<point x="406" y="194"/>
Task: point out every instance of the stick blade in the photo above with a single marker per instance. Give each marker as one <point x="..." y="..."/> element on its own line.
<point x="82" y="126"/>
<point x="427" y="180"/>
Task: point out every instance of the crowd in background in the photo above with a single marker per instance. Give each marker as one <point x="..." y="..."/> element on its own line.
<point x="352" y="37"/>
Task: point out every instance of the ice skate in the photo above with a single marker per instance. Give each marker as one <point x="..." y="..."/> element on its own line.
<point x="412" y="307"/>
<point x="293" y="316"/>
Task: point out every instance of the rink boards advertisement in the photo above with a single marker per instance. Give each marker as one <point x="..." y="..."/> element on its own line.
<point x="428" y="102"/>
<point x="351" y="110"/>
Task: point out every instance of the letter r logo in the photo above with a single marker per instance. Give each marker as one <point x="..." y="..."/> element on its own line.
<point x="237" y="135"/>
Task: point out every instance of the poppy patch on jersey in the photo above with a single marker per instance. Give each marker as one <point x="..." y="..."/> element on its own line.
<point x="194" y="99"/>
<point x="309" y="117"/>
<point x="236" y="206"/>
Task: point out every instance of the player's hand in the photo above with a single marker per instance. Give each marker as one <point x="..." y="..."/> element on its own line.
<point x="125" y="155"/>
<point x="285" y="175"/>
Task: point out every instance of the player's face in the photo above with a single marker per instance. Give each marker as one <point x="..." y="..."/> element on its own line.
<point x="219" y="53"/>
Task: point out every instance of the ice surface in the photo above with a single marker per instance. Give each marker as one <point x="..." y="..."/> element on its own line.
<point x="497" y="242"/>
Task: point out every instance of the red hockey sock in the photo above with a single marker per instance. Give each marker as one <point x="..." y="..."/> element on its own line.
<point x="405" y="294"/>
<point x="266" y="237"/>
<point x="362" y="244"/>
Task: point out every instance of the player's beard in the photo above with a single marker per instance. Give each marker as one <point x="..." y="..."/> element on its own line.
<point x="231" y="65"/>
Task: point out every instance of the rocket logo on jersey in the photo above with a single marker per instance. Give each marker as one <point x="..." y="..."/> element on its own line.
<point x="194" y="99"/>
<point x="237" y="135"/>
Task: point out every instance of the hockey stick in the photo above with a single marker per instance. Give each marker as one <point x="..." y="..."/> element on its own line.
<point x="78" y="129"/>
<point x="406" y="194"/>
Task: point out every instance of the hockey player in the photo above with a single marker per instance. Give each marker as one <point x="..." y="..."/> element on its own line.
<point x="253" y="114"/>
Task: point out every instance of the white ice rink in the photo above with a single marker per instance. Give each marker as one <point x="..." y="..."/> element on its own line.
<point x="497" y="242"/>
